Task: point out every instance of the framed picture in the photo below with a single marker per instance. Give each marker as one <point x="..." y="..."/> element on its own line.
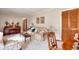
<point x="42" y="20"/>
<point x="37" y="20"/>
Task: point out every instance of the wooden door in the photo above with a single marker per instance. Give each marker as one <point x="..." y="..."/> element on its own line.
<point x="73" y="22"/>
<point x="65" y="29"/>
<point x="69" y="27"/>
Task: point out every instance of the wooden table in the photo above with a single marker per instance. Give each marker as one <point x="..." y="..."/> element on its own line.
<point x="26" y="36"/>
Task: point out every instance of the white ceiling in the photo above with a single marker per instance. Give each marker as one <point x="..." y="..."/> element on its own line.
<point x="22" y="11"/>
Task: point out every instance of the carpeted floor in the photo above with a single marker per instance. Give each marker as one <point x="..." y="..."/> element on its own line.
<point x="39" y="45"/>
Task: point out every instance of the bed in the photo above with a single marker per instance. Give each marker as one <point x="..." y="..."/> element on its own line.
<point x="13" y="42"/>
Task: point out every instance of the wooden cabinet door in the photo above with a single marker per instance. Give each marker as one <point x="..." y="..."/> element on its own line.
<point x="65" y="27"/>
<point x="70" y="20"/>
<point x="65" y="20"/>
<point x="69" y="23"/>
<point x="73" y="19"/>
<point x="65" y="35"/>
<point x="73" y="22"/>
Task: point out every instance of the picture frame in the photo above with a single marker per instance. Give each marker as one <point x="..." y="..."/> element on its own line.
<point x="40" y="20"/>
<point x="37" y="20"/>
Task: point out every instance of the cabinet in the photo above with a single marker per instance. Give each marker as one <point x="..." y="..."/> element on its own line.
<point x="70" y="25"/>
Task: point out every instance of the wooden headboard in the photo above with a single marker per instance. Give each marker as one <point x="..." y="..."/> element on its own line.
<point x="11" y="30"/>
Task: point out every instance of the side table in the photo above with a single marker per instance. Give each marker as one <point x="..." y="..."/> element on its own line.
<point x="26" y="36"/>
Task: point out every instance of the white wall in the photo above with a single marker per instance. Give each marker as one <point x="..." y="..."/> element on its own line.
<point x="53" y="18"/>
